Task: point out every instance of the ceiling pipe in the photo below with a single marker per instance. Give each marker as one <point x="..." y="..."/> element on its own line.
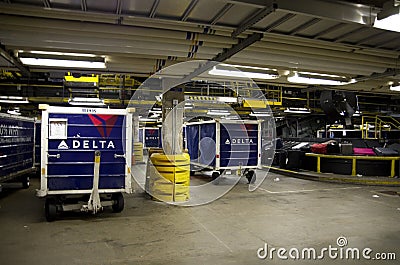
<point x="90" y="27"/>
<point x="280" y="48"/>
<point x="300" y="61"/>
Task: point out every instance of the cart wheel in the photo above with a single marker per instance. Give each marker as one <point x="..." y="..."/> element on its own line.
<point x="251" y="177"/>
<point x="215" y="178"/>
<point x="25" y="182"/>
<point x="118" y="204"/>
<point x="50" y="209"/>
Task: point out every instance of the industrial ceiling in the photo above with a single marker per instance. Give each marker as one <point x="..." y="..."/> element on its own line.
<point x="140" y="37"/>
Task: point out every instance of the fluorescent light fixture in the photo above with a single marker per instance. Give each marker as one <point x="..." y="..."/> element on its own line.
<point x="60" y="53"/>
<point x="218" y="112"/>
<point x="260" y="114"/>
<point x="395" y="88"/>
<point x="319" y="79"/>
<point x="148" y="119"/>
<point x="297" y="110"/>
<point x="230" y="71"/>
<point x="232" y="117"/>
<point x="78" y="101"/>
<point x="13" y="99"/>
<point x="63" y="63"/>
<point x="357" y="114"/>
<point x="14" y="112"/>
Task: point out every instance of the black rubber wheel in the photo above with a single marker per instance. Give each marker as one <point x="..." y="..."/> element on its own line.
<point x="25" y="182"/>
<point x="215" y="178"/>
<point x="119" y="203"/>
<point x="251" y="177"/>
<point x="50" y="209"/>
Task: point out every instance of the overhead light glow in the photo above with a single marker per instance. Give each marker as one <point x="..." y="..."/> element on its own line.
<point x="297" y="110"/>
<point x="232" y="72"/>
<point x="13" y="99"/>
<point x="14" y="112"/>
<point x="395" y="88"/>
<point x="260" y="114"/>
<point x="63" y="53"/>
<point x="319" y="79"/>
<point x="78" y="101"/>
<point x="391" y="23"/>
<point x="63" y="63"/>
<point x="218" y="112"/>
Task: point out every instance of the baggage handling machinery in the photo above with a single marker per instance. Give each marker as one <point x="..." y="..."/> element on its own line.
<point x="230" y="146"/>
<point x="86" y="156"/>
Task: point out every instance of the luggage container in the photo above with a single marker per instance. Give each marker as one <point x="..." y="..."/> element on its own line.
<point x="152" y="137"/>
<point x="230" y="146"/>
<point x="16" y="149"/>
<point x="86" y="158"/>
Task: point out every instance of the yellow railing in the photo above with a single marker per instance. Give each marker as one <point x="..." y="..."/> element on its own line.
<point x="379" y="123"/>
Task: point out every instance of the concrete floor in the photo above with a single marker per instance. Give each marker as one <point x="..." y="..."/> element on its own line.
<point x="288" y="213"/>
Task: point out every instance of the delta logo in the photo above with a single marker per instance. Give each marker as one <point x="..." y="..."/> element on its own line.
<point x="104" y="125"/>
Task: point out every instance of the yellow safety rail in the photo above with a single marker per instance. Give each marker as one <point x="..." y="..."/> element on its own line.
<point x="354" y="161"/>
<point x="380" y="123"/>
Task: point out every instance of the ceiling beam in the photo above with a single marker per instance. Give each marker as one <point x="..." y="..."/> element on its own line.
<point x="189" y="10"/>
<point x="46" y="3"/>
<point x="154" y="8"/>
<point x="252" y="20"/>
<point x="83" y="5"/>
<point x="12" y="59"/>
<point x="242" y="44"/>
<point x="221" y="13"/>
<point x="387" y="73"/>
<point x="118" y="10"/>
<point x="336" y="10"/>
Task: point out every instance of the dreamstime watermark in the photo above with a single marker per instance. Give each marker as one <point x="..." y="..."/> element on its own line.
<point x="339" y="251"/>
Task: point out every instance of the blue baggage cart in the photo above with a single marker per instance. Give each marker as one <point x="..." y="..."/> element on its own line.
<point x="230" y="146"/>
<point x="86" y="156"/>
<point x="16" y="149"/>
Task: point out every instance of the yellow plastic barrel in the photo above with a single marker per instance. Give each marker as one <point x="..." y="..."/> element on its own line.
<point x="168" y="177"/>
<point x="138" y="152"/>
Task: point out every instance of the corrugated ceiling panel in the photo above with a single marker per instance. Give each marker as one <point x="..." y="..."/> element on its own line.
<point x="358" y="36"/>
<point x="292" y="23"/>
<point x="29" y="2"/>
<point x="102" y="5"/>
<point x="237" y="14"/>
<point x="172" y="8"/>
<point x="206" y="10"/>
<point x="68" y="4"/>
<point x="340" y="31"/>
<point x="318" y="27"/>
<point x="137" y="7"/>
<point x="269" y="19"/>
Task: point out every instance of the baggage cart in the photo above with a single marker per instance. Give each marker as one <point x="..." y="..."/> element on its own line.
<point x="16" y="149"/>
<point x="86" y="156"/>
<point x="225" y="146"/>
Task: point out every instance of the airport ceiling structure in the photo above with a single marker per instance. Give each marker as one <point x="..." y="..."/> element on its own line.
<point x="139" y="37"/>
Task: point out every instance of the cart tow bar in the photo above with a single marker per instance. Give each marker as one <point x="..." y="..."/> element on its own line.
<point x="94" y="204"/>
